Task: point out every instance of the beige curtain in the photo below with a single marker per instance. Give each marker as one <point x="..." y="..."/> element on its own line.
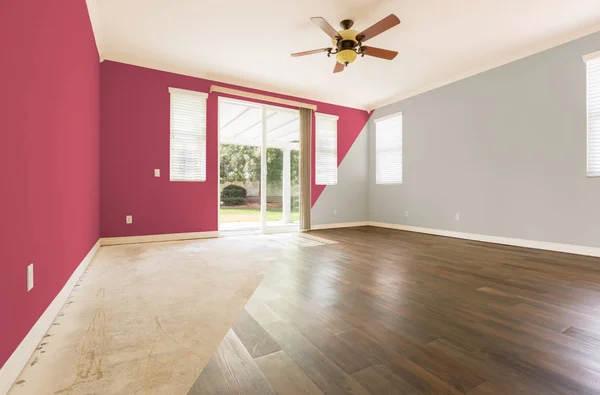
<point x="305" y="137"/>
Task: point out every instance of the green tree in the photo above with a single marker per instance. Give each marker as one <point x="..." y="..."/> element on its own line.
<point x="242" y="163"/>
<point x="275" y="166"/>
<point x="295" y="168"/>
<point x="239" y="163"/>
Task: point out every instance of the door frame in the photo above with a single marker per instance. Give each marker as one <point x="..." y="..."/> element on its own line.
<point x="263" y="228"/>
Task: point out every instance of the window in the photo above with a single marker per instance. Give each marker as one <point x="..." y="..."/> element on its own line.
<point x="388" y="149"/>
<point x="188" y="135"/>
<point x="593" y="114"/>
<point x="326" y="149"/>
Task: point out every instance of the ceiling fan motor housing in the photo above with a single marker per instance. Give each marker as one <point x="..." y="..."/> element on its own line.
<point x="347" y="45"/>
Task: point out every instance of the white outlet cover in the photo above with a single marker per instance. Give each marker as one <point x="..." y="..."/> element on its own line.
<point x="129" y="219"/>
<point x="457" y="216"/>
<point x="406" y="213"/>
<point x="335" y="211"/>
<point x="156" y="172"/>
<point x="29" y="277"/>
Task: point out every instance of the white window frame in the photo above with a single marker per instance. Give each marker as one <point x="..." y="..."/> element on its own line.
<point x="400" y="179"/>
<point x="203" y="134"/>
<point x="318" y="174"/>
<point x="589" y="59"/>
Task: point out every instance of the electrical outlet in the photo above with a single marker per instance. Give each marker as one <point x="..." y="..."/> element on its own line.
<point x="129" y="219"/>
<point x="29" y="277"/>
<point x="156" y="172"/>
<point x="335" y="211"/>
<point x="457" y="216"/>
<point x="406" y="213"/>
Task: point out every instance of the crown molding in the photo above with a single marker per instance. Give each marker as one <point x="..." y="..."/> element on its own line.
<point x="514" y="56"/>
<point x="94" y="14"/>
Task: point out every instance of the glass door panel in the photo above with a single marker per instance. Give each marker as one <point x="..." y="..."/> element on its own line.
<point x="240" y="157"/>
<point x="282" y="167"/>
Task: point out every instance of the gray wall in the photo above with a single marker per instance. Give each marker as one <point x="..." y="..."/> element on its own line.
<point x="349" y="196"/>
<point x="505" y="148"/>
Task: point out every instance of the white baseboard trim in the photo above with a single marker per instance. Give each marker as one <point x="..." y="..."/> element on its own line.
<point x="539" y="245"/>
<point x="109" y="241"/>
<point x="340" y="225"/>
<point x="19" y="358"/>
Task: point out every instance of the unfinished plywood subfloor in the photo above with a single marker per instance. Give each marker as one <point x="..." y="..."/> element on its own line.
<point x="146" y="318"/>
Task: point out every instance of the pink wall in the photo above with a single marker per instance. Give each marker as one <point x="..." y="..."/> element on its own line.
<point x="134" y="104"/>
<point x="49" y="155"/>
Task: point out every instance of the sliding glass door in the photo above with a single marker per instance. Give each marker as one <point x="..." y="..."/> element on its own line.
<point x="259" y="167"/>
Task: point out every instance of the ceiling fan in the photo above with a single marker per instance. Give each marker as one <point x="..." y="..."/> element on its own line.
<point x="349" y="43"/>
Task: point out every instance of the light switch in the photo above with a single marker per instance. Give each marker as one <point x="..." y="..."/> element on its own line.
<point x="156" y="172"/>
<point x="129" y="219"/>
<point x="29" y="277"/>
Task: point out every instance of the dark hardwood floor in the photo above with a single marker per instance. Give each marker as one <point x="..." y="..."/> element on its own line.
<point x="392" y="312"/>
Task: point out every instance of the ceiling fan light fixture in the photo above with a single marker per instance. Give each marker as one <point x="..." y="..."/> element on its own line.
<point x="346" y="56"/>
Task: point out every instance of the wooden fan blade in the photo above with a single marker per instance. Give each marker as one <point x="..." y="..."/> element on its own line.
<point x="311" y="52"/>
<point x="325" y="26"/>
<point x="338" y="67"/>
<point x="385" y="24"/>
<point x="379" y="53"/>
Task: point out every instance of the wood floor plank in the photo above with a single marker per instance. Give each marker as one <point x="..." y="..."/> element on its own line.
<point x="378" y="379"/>
<point x="263" y="292"/>
<point x="256" y="340"/>
<point x="329" y="377"/>
<point x="308" y="325"/>
<point x="285" y="376"/>
<point x="260" y="311"/>
<point x="231" y="371"/>
<point x="448" y="369"/>
<point x="512" y="378"/>
<point x="588" y="336"/>
<point x="488" y="388"/>
<point x="322" y="315"/>
<point x="418" y="378"/>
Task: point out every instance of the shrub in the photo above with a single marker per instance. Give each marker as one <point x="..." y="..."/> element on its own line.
<point x="233" y="195"/>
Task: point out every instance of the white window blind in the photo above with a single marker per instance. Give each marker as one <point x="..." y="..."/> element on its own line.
<point x="593" y="114"/>
<point x="326" y="149"/>
<point x="388" y="149"/>
<point x="188" y="135"/>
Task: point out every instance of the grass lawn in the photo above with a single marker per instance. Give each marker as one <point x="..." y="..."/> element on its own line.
<point x="246" y="214"/>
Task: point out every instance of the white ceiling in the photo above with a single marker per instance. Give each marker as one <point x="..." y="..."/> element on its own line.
<point x="241" y="123"/>
<point x="249" y="42"/>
